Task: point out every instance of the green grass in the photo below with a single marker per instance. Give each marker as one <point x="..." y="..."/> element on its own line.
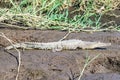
<point x="54" y="14"/>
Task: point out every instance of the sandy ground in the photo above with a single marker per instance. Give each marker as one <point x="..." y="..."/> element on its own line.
<point x="64" y="65"/>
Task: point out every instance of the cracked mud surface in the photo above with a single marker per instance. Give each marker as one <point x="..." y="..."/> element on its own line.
<point x="64" y="65"/>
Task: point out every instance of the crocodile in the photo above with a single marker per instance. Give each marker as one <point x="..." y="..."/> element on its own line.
<point x="60" y="45"/>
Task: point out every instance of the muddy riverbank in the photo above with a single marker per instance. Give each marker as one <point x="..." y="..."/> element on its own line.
<point x="64" y="65"/>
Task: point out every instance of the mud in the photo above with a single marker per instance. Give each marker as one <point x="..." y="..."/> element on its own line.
<point x="64" y="65"/>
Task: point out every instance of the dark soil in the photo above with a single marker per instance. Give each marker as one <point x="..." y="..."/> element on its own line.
<point x="64" y="65"/>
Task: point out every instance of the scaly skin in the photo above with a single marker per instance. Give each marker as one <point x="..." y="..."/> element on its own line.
<point x="60" y="45"/>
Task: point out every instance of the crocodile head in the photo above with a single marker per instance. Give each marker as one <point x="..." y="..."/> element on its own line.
<point x="93" y="45"/>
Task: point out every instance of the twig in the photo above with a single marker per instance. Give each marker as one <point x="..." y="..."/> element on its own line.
<point x="65" y="36"/>
<point x="88" y="61"/>
<point x="19" y="54"/>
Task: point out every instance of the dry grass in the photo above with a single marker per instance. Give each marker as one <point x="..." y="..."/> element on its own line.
<point x="97" y="4"/>
<point x="46" y="14"/>
<point x="28" y="21"/>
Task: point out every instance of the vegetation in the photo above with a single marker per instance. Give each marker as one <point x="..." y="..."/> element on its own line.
<point x="72" y="15"/>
